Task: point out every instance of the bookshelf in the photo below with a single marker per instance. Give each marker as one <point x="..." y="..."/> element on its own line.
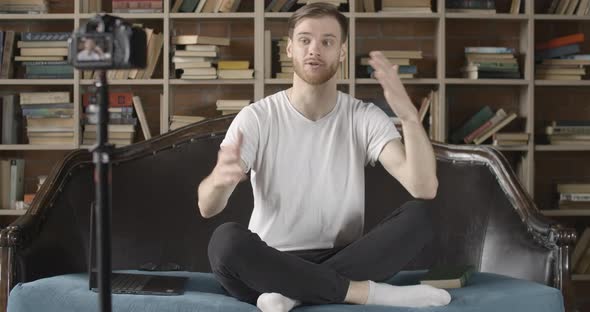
<point x="440" y="35"/>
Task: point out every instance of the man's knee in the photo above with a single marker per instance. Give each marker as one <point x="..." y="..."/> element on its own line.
<point x="225" y="242"/>
<point x="421" y="213"/>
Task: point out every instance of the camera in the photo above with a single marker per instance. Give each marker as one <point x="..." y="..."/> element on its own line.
<point x="107" y="42"/>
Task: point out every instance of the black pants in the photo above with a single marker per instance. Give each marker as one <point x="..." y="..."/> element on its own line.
<point x="247" y="267"/>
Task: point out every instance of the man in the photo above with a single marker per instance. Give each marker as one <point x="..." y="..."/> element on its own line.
<point x="307" y="147"/>
<point x="91" y="51"/>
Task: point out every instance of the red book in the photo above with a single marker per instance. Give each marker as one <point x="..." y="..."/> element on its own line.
<point x="560" y="41"/>
<point x="477" y="132"/>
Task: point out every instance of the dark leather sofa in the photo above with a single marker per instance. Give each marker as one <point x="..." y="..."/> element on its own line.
<point x="486" y="218"/>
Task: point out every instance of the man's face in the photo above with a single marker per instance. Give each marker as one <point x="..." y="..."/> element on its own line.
<point x="316" y="49"/>
<point x="89" y="44"/>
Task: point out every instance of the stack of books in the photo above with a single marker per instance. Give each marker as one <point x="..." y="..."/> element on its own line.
<point x="90" y="6"/>
<point x="195" y="55"/>
<point x="471" y="6"/>
<point x="227" y="107"/>
<point x="137" y="6"/>
<point x="44" y="55"/>
<point x="406" y="6"/>
<point x="481" y="126"/>
<point x="23" y="6"/>
<point x="574" y="196"/>
<point x="490" y="62"/>
<point x="396" y="57"/>
<point x="558" y="58"/>
<point x="205" y="6"/>
<point x="236" y="69"/>
<point x="510" y="139"/>
<point x="11" y="182"/>
<point x="121" y="126"/>
<point x="49" y="117"/>
<point x="581" y="254"/>
<point x="179" y="121"/>
<point x="569" y="7"/>
<point x="566" y="132"/>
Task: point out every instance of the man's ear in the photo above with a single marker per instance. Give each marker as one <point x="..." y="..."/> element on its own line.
<point x="289" y="47"/>
<point x="343" y="51"/>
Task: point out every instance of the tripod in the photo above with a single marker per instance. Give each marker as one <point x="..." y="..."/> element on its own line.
<point x="101" y="154"/>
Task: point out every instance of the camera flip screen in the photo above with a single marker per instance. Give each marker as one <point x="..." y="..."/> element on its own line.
<point x="95" y="50"/>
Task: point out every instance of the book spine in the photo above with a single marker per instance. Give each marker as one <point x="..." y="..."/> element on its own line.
<point x="44" y="36"/>
<point x="557" y="52"/>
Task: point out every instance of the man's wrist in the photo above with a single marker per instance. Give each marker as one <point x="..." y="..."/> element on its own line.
<point x="410" y="118"/>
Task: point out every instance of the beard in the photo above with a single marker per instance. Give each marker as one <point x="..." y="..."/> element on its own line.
<point x="318" y="77"/>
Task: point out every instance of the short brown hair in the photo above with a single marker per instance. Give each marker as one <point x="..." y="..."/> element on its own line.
<point x="317" y="10"/>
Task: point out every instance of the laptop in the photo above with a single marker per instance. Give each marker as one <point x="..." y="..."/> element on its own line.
<point x="130" y="283"/>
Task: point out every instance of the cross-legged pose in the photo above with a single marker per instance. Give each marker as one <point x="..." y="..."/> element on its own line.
<point x="306" y="149"/>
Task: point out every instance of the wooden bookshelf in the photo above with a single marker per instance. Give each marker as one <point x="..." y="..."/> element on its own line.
<point x="440" y="35"/>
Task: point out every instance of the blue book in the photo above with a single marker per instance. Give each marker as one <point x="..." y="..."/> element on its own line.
<point x="584" y="57"/>
<point x="557" y="52"/>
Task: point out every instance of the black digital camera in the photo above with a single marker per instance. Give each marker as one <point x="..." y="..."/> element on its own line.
<point x="107" y="42"/>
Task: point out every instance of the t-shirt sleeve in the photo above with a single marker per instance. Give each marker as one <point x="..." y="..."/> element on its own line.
<point x="378" y="129"/>
<point x="248" y="124"/>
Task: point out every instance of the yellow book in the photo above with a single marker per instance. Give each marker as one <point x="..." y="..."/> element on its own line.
<point x="233" y="64"/>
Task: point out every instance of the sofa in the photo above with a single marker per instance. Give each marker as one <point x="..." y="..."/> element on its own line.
<point x="485" y="218"/>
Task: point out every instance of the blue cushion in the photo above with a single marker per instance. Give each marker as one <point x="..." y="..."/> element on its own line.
<point x="485" y="292"/>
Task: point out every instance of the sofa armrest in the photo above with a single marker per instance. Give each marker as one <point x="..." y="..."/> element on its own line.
<point x="546" y="232"/>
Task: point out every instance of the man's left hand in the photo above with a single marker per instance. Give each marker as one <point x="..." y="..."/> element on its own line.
<point x="393" y="88"/>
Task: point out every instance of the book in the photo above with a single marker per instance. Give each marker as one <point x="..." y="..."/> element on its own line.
<point x="480" y="139"/>
<point x="560" y="41"/>
<point x="474" y="122"/>
<point x="448" y="276"/>
<point x="44" y="97"/>
<point x="499" y="116"/>
<point x="198" y="39"/>
<point x="142" y="118"/>
<point x="581" y="246"/>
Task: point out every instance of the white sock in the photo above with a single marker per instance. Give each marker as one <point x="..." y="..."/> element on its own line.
<point x="275" y="302"/>
<point x="407" y="296"/>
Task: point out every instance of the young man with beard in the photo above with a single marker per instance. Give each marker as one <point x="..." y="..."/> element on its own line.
<point x="307" y="147"/>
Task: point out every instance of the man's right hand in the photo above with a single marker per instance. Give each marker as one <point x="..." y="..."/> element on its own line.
<point x="228" y="171"/>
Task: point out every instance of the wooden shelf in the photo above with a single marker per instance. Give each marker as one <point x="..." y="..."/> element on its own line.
<point x="566" y="212"/>
<point x="517" y="148"/>
<point x="562" y="148"/>
<point x="427" y="81"/>
<point x="36" y="82"/>
<point x="462" y="81"/>
<point x="127" y="15"/>
<point x="484" y="16"/>
<point x="580" y="277"/>
<point x="35" y="147"/>
<point x="51" y="16"/>
<point x="212" y="15"/>
<point x="565" y="83"/>
<point x="395" y="15"/>
<point x="126" y="82"/>
<point x="561" y="17"/>
<point x="211" y="81"/>
<point x="12" y="212"/>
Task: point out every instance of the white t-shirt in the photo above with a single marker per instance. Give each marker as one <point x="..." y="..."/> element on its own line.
<point x="308" y="177"/>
